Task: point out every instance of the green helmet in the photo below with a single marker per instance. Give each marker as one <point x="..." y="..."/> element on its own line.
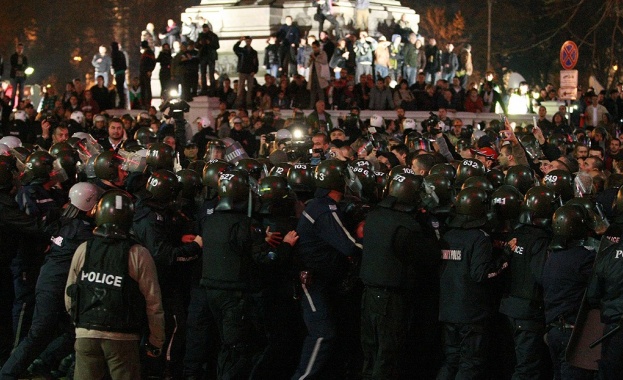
<point x="400" y="169"/>
<point x="506" y="203"/>
<point x="160" y="156"/>
<point x="273" y="188"/>
<point x="131" y="146"/>
<point x="106" y="165"/>
<point x="496" y="177"/>
<point x="447" y="170"/>
<point x="470" y="209"/>
<point x="301" y="178"/>
<point x="190" y="183"/>
<point x="233" y="190"/>
<point x="145" y="136"/>
<point x="331" y="175"/>
<point x="479" y="182"/>
<point x="538" y="206"/>
<point x="596" y="219"/>
<point x="442" y="186"/>
<point x="381" y="181"/>
<point x="281" y="169"/>
<point x="7" y="170"/>
<point x="251" y="166"/>
<point x="363" y="183"/>
<point x="520" y="177"/>
<point x="38" y="167"/>
<point x="463" y="144"/>
<point x="570" y="222"/>
<point x="114" y="214"/>
<point x="68" y="161"/>
<point x="468" y="168"/>
<point x="163" y="185"/>
<point x="561" y="182"/>
<point x="59" y="147"/>
<point x="211" y="173"/>
<point x="406" y="189"/>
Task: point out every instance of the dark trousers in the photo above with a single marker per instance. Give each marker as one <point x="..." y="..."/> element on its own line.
<point x="229" y="308"/>
<point x="25" y="273"/>
<point x="337" y="31"/>
<point x="120" y="84"/>
<point x="18" y="90"/>
<point x="207" y="67"/>
<point x="465" y="347"/>
<point x="384" y="326"/>
<point x="200" y="333"/>
<point x="50" y="320"/>
<point x="318" y="306"/>
<point x="165" y="83"/>
<point x="611" y="363"/>
<point x="529" y="347"/>
<point x="145" y="81"/>
<point x="557" y="340"/>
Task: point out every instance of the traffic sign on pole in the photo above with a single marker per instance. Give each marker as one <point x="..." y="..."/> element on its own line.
<point x="569" y="54"/>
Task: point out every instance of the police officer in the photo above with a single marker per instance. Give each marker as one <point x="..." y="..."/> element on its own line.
<point x="280" y="312"/>
<point x="523" y="304"/>
<point x="391" y="265"/>
<point x="112" y="293"/>
<point x="38" y="198"/>
<point x="157" y="227"/>
<point x="49" y="317"/>
<point x="200" y="324"/>
<point x="107" y="168"/>
<point x="465" y="300"/>
<point x="14" y="225"/>
<point x="566" y="274"/>
<point x="230" y="265"/>
<point x="324" y="247"/>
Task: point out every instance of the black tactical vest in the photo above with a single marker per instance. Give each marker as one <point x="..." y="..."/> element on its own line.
<point x="108" y="298"/>
<point x="380" y="265"/>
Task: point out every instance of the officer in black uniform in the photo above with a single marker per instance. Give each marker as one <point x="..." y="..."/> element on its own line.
<point x="279" y="310"/>
<point x="565" y="277"/>
<point x="14" y="224"/>
<point x="391" y="265"/>
<point x="50" y="318"/>
<point x="200" y="325"/>
<point x="36" y="197"/>
<point x="325" y="247"/>
<point x="156" y="226"/>
<point x="466" y="302"/>
<point x="230" y="271"/>
<point x="523" y="303"/>
<point x="107" y="168"/>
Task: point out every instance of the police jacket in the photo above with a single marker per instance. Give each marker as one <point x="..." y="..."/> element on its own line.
<point x="605" y="289"/>
<point x="67" y="234"/>
<point x="233" y="250"/>
<point x="390" y="258"/>
<point x="151" y="227"/>
<point x="565" y="278"/>
<point x="467" y="264"/>
<point x="14" y="224"/>
<point x="247" y="59"/>
<point x="119" y="276"/>
<point x="324" y="243"/>
<point x="525" y="294"/>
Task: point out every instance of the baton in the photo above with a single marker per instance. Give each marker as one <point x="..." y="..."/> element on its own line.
<point x="605" y="336"/>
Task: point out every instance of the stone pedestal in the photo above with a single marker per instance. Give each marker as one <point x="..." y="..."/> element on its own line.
<point x="231" y="20"/>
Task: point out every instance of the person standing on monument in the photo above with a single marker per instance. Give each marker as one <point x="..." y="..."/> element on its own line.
<point x="326" y="12"/>
<point x="208" y="44"/>
<point x="247" y="67"/>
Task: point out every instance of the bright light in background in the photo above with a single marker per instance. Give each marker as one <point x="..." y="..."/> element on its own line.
<point x="297" y="134"/>
<point x="174" y="93"/>
<point x="78" y="58"/>
<point x="29" y="71"/>
<point x="615" y="67"/>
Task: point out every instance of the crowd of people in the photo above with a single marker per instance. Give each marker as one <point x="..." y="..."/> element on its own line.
<point x="258" y="247"/>
<point x="261" y="247"/>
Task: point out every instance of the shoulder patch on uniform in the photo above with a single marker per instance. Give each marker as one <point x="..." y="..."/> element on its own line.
<point x="57" y="240"/>
<point x="210" y="211"/>
<point x="451" y="254"/>
<point x="332" y="207"/>
<point x="159" y="217"/>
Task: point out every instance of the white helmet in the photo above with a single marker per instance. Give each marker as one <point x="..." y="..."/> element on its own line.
<point x="283" y="134"/>
<point x="97" y="118"/>
<point x="4" y="150"/>
<point x="11" y="141"/>
<point x="20" y="115"/>
<point x="78" y="117"/>
<point x="408" y="124"/>
<point x="204" y="122"/>
<point x="476" y="135"/>
<point x="84" y="195"/>
<point x="377" y="121"/>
